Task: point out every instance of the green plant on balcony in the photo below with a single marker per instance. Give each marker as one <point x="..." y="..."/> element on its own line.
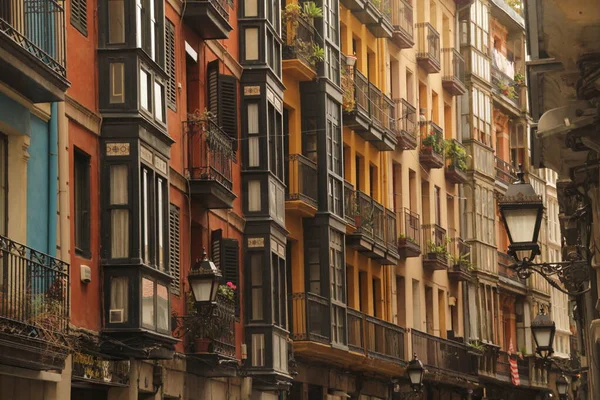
<point x="439" y="250"/>
<point x="311" y="10"/>
<point x="516" y="5"/>
<point x="507" y="90"/>
<point x="434" y="141"/>
<point x="520" y="79"/>
<point x="456" y="154"/>
<point x="403" y="239"/>
<point x="227" y="290"/>
<point x="462" y="261"/>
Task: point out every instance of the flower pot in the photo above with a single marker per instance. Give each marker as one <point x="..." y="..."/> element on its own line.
<point x="202" y="345"/>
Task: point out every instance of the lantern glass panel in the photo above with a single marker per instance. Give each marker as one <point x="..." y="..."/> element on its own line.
<point x="415" y="376"/>
<point x="521" y="223"/>
<point x="202" y="289"/>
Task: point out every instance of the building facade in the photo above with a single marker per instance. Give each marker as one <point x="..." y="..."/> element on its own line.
<point x="338" y="162"/>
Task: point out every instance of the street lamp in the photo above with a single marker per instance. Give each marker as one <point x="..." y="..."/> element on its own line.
<point x="543" y="330"/>
<point x="204" y="280"/>
<point x="415" y="372"/>
<point x="562" y="387"/>
<point x="521" y="211"/>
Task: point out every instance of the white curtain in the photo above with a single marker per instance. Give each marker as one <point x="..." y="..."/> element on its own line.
<point x="119" y="217"/>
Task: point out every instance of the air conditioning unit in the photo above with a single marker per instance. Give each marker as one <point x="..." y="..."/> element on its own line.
<point x="116" y="316"/>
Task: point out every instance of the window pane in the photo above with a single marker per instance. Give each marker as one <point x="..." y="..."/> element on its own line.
<point x="145" y="86"/>
<point x="162" y="307"/>
<point x="253" y="195"/>
<point x="251" y="8"/>
<point x="161" y="215"/>
<point x="252" y="44"/>
<point x="159" y="101"/>
<point x="119" y="233"/>
<point x="258" y="350"/>
<point x="117" y="83"/>
<point x="256" y="282"/>
<point x="118" y="185"/>
<point x="145" y="218"/>
<point x="148" y="303"/>
<point x="116" y="21"/>
<point x="138" y="22"/>
<point x="119" y="300"/>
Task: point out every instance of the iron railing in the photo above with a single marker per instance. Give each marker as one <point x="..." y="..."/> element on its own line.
<point x="38" y="26"/>
<point x="375" y="337"/>
<point x="310" y="318"/>
<point x="505" y="172"/>
<point x="359" y="84"/>
<point x="349" y="202"/>
<point x="34" y="291"/>
<point x="222" y="6"/>
<point x="454" y="65"/>
<point x="368" y="216"/>
<point x="442" y="354"/>
<point x="435" y="234"/>
<point x="299" y="41"/>
<point x="303" y="177"/>
<point x="412" y="226"/>
<point x="402" y="19"/>
<point x="210" y="152"/>
<point x="391" y="236"/>
<point x="503" y="364"/>
<point x="405" y="119"/>
<point x="429" y="42"/>
<point x="384" y="7"/>
<point x="223" y="315"/>
<point x="503" y="85"/>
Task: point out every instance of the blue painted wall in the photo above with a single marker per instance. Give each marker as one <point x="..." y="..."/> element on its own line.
<point x="37" y="186"/>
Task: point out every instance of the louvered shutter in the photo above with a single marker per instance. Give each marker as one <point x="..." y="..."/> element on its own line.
<point x="212" y="83"/>
<point x="170" y="66"/>
<point x="79" y="16"/>
<point x="228" y="108"/>
<point x="174" y="249"/>
<point x="215" y="247"/>
<point x="230" y="267"/>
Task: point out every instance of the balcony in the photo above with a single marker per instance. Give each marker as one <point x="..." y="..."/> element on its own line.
<point x="506" y="91"/>
<point x="34" y="308"/>
<point x="456" y="162"/>
<point x="32" y="48"/>
<point x="373" y="13"/>
<point x="402" y="21"/>
<point x="302" y="188"/>
<point x="374" y="337"/>
<point x="428" y="55"/>
<point x="444" y="356"/>
<point x="374" y="227"/>
<point x="506" y="174"/>
<point x="507" y="275"/>
<point x="210" y="155"/>
<point x="405" y="126"/>
<point x="435" y="247"/>
<point x="453" y="79"/>
<point x="432" y="145"/>
<point x="373" y="345"/>
<point x="409" y="243"/>
<point x="217" y="338"/>
<point x="208" y="18"/>
<point x="461" y="266"/>
<point x="367" y="110"/>
<point x="298" y="51"/>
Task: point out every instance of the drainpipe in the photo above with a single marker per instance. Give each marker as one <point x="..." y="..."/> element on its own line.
<point x="63" y="189"/>
<point x="52" y="179"/>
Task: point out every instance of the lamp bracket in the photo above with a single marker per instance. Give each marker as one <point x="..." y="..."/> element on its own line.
<point x="571" y="273"/>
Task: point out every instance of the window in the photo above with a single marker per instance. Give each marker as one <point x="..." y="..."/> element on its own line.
<point x="225" y="254"/>
<point x="116" y="21"/>
<point x="334" y="157"/>
<point x="314" y="271"/>
<point x="256" y="287"/>
<point x="170" y="65"/>
<point x="253" y="137"/>
<point x="338" y="290"/>
<point x="251" y="44"/>
<point x="79" y="16"/>
<point x="159" y="101"/>
<point x="155" y="305"/>
<point x="416" y="303"/>
<point x="117" y="83"/>
<point x="149" y="35"/>
<point x="119" y="300"/>
<point x="279" y="290"/>
<point x="82" y="202"/>
<point x="275" y="137"/>
<point x="222" y="100"/>
<point x="152" y="95"/>
<point x="119" y="211"/>
<point x="174" y="249"/>
<point x="145" y="88"/>
<point x="482" y="117"/>
<point x="280" y="353"/>
<point x="258" y="350"/>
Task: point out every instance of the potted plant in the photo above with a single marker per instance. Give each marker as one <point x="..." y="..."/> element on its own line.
<point x="310" y="11"/>
<point x="461" y="262"/>
<point x="434" y="142"/>
<point x="318" y="54"/>
<point x="520" y="79"/>
<point x="456" y="154"/>
<point x="436" y="251"/>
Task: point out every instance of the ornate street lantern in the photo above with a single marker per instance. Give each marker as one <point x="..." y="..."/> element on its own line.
<point x="204" y="280"/>
<point x="543" y="330"/>
<point x="415" y="373"/>
<point x="562" y="386"/>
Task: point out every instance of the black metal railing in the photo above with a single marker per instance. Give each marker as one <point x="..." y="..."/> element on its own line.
<point x="384" y="7"/>
<point x="442" y="354"/>
<point x="402" y="18"/>
<point x="429" y="42"/>
<point x="368" y="216"/>
<point x="302" y="183"/>
<point x="38" y="26"/>
<point x="223" y="338"/>
<point x="375" y="337"/>
<point x="357" y="83"/>
<point x="391" y="235"/>
<point x="310" y="317"/>
<point x="210" y="151"/>
<point x="503" y="364"/>
<point x="222" y="6"/>
<point x="405" y="119"/>
<point x="34" y="291"/>
<point x="453" y="65"/>
<point x="505" y="172"/>
<point x="299" y="41"/>
<point x="435" y="234"/>
<point x="503" y="85"/>
<point x="412" y="226"/>
<point x="349" y="202"/>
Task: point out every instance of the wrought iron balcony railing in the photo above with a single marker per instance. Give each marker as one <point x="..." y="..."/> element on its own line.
<point x="412" y="227"/>
<point x="210" y="152"/>
<point x="435" y="234"/>
<point x="429" y="47"/>
<point x="504" y="86"/>
<point x="310" y="318"/>
<point x="391" y="235"/>
<point x="402" y="17"/>
<point x="453" y="77"/>
<point x="34" y="292"/>
<point x="299" y="42"/>
<point x="222" y="6"/>
<point x="404" y="124"/>
<point x="37" y="26"/>
<point x="505" y="172"/>
<point x="443" y="355"/>
<point x="375" y="337"/>
<point x="221" y="330"/>
<point x="303" y="177"/>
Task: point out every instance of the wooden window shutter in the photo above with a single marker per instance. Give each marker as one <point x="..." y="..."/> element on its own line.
<point x="170" y="66"/>
<point x="79" y="16"/>
<point x="228" y="107"/>
<point x="230" y="267"/>
<point x="174" y="249"/>
<point x="212" y="84"/>
<point x="215" y="247"/>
